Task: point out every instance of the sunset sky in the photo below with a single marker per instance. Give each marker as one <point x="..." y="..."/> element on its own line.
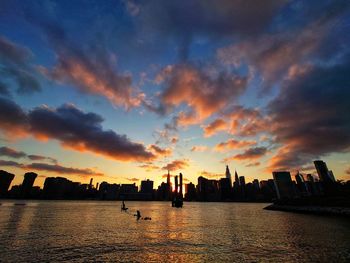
<point x="122" y="91"/>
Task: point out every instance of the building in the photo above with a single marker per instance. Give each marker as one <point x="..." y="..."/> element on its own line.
<point x="283" y="184"/>
<point x="190" y="192"/>
<point x="146" y="186"/>
<point x="27" y="184"/>
<point x="5" y="182"/>
<point x="228" y="175"/>
<point x="324" y="174"/>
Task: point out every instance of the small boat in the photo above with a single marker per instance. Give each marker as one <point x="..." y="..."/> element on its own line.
<point x="177" y="202"/>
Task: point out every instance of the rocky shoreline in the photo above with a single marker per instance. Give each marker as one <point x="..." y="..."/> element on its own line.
<point x="319" y="210"/>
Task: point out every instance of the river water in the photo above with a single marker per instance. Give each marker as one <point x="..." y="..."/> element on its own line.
<point x="84" y="231"/>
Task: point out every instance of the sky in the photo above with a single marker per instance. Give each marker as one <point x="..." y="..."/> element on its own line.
<point x="122" y="91"/>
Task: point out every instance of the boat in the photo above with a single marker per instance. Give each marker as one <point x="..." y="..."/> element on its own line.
<point x="177" y="202"/>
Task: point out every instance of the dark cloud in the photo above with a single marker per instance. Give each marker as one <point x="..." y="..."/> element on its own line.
<point x="4" y="90"/>
<point x="9" y="152"/>
<point x="311" y="115"/>
<point x="13" y="153"/>
<point x="55" y="168"/>
<point x="41" y="158"/>
<point x="10" y="163"/>
<point x="210" y="19"/>
<point x="249" y="154"/>
<point x="73" y="128"/>
<point x="90" y="67"/>
<point x="13" y="120"/>
<point x="83" y="132"/>
<point x="15" y="65"/>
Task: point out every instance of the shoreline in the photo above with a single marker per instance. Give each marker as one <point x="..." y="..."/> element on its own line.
<point x="315" y="210"/>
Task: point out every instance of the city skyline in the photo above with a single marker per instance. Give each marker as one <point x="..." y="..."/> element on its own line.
<point x="123" y="91"/>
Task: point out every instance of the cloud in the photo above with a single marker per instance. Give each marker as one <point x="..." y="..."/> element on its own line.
<point x="253" y="164"/>
<point x="149" y="167"/>
<point x="176" y="165"/>
<point x="13" y="120"/>
<point x="35" y="157"/>
<point x="311" y="115"/>
<point x="159" y="151"/>
<point x="133" y="179"/>
<point x="249" y="154"/>
<point x="9" y="152"/>
<point x="204" y="92"/>
<point x="233" y="144"/>
<point x="214" y="127"/>
<point x="15" y="61"/>
<point x="13" y="153"/>
<point x="278" y="52"/>
<point x="210" y="174"/>
<point x="347" y="171"/>
<point x="10" y="163"/>
<point x="55" y="168"/>
<point x="73" y="128"/>
<point x="184" y="21"/>
<point x="199" y="148"/>
<point x="90" y="68"/>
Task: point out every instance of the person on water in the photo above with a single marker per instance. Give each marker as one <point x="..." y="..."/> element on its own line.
<point x="123" y="207"/>
<point x="138" y="215"/>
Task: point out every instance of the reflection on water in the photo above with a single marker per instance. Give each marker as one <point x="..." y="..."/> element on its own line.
<point x="228" y="232"/>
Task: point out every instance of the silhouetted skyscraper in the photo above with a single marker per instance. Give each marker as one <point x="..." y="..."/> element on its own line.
<point x="5" y="181"/>
<point x="180" y="184"/>
<point x="146" y="186"/>
<point x="27" y="184"/>
<point x="323" y="172"/>
<point x="176" y="184"/>
<point x="228" y="175"/>
<point x="284" y="185"/>
<point x="236" y="183"/>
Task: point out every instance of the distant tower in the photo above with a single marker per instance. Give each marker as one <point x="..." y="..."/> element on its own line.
<point x="5" y="181"/>
<point x="27" y="184"/>
<point x="236" y="180"/>
<point x="176" y="184"/>
<point x="323" y="172"/>
<point x="168" y="179"/>
<point x="228" y="175"/>
<point x="90" y="185"/>
<point x="180" y="184"/>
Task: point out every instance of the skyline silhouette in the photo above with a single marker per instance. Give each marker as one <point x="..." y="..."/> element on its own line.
<point x="126" y="90"/>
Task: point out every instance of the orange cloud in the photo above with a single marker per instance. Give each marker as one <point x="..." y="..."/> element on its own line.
<point x="214" y="127"/>
<point x="205" y="93"/>
<point x="233" y="144"/>
<point x="199" y="148"/>
<point x="176" y="165"/>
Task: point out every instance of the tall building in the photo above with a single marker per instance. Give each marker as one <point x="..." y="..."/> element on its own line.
<point x="323" y="172"/>
<point x="27" y="184"/>
<point x="180" y="184"/>
<point x="146" y="186"/>
<point x="242" y="181"/>
<point x="176" y="184"/>
<point x="228" y="175"/>
<point x="190" y="190"/>
<point x="236" y="183"/>
<point x="5" y="181"/>
<point x="283" y="184"/>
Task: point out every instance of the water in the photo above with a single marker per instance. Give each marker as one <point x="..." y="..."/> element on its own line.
<point x="82" y="231"/>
